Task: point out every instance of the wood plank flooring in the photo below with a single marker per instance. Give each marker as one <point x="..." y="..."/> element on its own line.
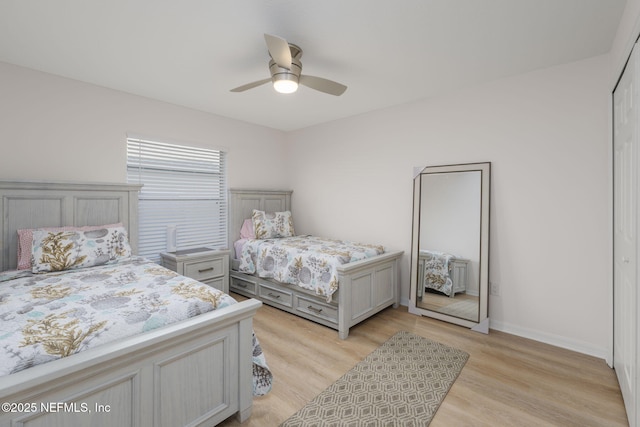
<point x="508" y="380"/>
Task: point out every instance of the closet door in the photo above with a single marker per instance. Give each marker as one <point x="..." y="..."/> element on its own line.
<point x="625" y="238"/>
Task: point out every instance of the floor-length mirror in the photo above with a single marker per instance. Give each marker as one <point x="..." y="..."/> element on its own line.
<point x="450" y="246"/>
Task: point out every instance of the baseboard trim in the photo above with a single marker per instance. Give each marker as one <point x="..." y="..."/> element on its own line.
<point x="551" y="339"/>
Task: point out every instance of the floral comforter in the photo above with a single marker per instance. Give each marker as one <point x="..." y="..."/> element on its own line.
<point x="307" y="261"/>
<point x="45" y="317"/>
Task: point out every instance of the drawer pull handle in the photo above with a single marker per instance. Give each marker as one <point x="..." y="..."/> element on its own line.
<point x="273" y="295"/>
<point x="241" y="284"/>
<point x="317" y="310"/>
<point x="205" y="270"/>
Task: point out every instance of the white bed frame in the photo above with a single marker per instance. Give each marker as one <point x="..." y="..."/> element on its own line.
<point x="170" y="376"/>
<point x="365" y="287"/>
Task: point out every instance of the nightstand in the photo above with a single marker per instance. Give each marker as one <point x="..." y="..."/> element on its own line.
<point x="205" y="265"/>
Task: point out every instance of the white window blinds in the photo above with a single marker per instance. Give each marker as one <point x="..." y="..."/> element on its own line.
<point x="185" y="187"/>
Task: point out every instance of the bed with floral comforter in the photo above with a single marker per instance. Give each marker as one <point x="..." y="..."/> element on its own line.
<point x="307" y="261"/>
<point x="437" y="271"/>
<point x="52" y="315"/>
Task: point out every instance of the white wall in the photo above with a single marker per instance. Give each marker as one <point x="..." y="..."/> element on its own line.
<point x="52" y="128"/>
<point x="546" y="134"/>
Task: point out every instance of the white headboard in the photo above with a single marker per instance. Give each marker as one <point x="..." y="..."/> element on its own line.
<point x="243" y="202"/>
<point x="25" y="204"/>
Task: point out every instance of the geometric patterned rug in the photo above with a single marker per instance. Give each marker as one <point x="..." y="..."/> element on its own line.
<point x="401" y="383"/>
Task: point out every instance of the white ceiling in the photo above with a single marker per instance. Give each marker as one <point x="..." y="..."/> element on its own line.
<point x="388" y="52"/>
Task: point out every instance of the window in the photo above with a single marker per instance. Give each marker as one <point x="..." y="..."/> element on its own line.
<point x="183" y="187"/>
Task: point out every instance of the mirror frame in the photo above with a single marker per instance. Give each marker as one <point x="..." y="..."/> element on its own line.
<point x="485" y="188"/>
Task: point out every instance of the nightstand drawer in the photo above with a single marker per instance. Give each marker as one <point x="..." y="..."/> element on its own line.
<point x="217" y="283"/>
<point x="202" y="264"/>
<point x="203" y="270"/>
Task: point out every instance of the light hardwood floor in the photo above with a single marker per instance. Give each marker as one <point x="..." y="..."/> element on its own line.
<point x="508" y="380"/>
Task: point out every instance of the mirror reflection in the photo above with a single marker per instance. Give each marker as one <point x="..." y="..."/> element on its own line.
<point x="449" y="243"/>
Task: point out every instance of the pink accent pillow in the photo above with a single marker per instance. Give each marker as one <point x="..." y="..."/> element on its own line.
<point x="247" y="232"/>
<point x="25" y="240"/>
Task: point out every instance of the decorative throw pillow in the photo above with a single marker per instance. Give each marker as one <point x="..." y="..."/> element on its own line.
<point x="68" y="250"/>
<point x="246" y="232"/>
<point x="267" y="225"/>
<point x="25" y="238"/>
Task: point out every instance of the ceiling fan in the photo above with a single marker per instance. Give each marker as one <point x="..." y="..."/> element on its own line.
<point x="286" y="68"/>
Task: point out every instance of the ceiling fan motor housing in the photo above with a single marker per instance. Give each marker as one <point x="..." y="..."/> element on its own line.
<point x="279" y="73"/>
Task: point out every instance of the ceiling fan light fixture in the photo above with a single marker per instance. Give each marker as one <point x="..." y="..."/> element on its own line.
<point x="285" y="83"/>
<point x="285" y="68"/>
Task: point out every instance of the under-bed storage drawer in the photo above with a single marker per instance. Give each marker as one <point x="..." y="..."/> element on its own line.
<point x="275" y="295"/>
<point x="316" y="309"/>
<point x="243" y="286"/>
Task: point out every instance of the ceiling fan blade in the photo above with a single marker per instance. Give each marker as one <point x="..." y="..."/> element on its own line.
<point x="250" y="85"/>
<point x="323" y="85"/>
<point x="279" y="50"/>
